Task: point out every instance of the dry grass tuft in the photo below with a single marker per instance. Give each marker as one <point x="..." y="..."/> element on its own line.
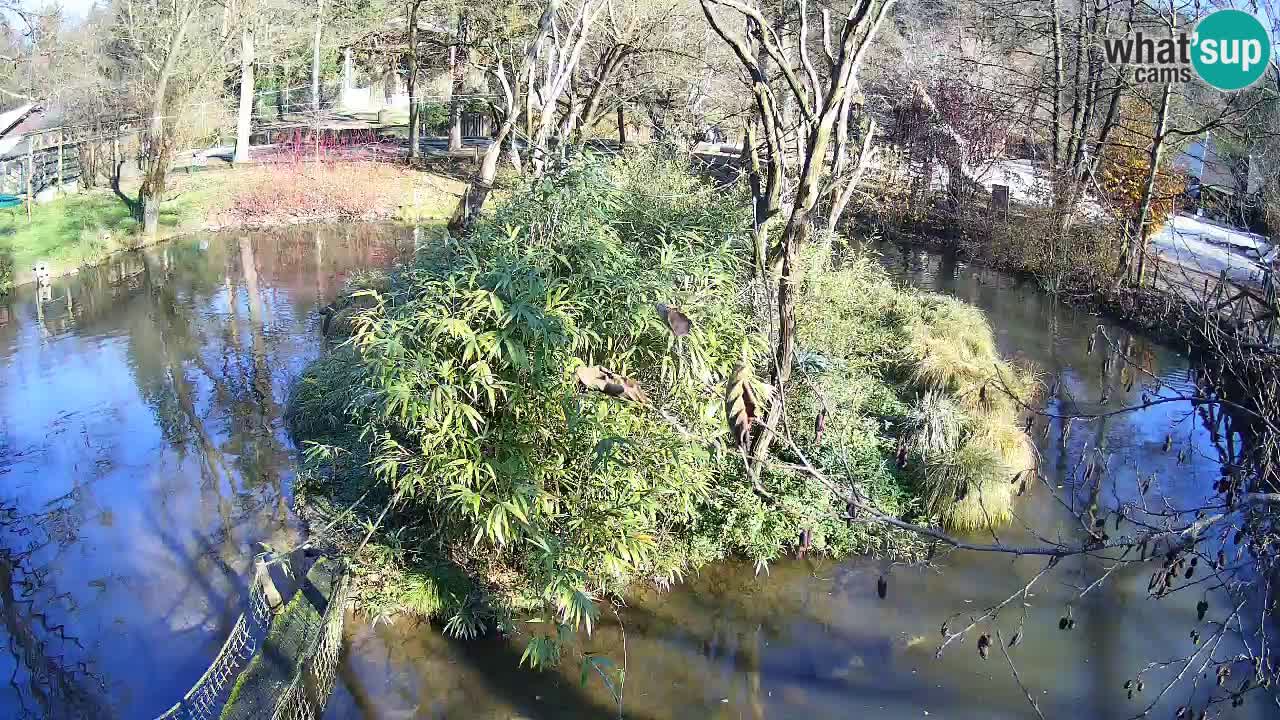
<point x="951" y="349"/>
<point x="1000" y="434"/>
<point x="952" y="357"/>
<point x="967" y="488"/>
<point x="930" y="363"/>
<point x="934" y="424"/>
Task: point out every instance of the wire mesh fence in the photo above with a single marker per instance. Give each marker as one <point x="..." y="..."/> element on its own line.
<point x="314" y="681"/>
<point x="203" y="701"/>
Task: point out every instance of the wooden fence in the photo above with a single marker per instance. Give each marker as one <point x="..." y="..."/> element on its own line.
<point x="56" y="157"/>
<point x="1251" y="308"/>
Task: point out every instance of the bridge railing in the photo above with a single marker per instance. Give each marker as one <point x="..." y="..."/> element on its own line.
<point x="307" y="693"/>
<point x="204" y="700"/>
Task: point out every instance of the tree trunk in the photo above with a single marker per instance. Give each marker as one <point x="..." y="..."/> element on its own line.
<point x="530" y="90"/>
<point x="565" y="64"/>
<point x="415" y="121"/>
<point x="859" y="30"/>
<point x="590" y="109"/>
<point x="622" y="125"/>
<point x="842" y="197"/>
<point x="244" y="121"/>
<point x="1139" y="233"/>
<point x="795" y="236"/>
<point x="1056" y="98"/>
<point x="315" y="58"/>
<point x="761" y="211"/>
<point x="281" y="92"/>
<point x="1074" y="136"/>
<point x="155" y="178"/>
<point x="1113" y="107"/>
<point x="473" y="198"/>
<point x="455" y="104"/>
<point x="569" y="123"/>
<point x="514" y="152"/>
<point x="157" y="147"/>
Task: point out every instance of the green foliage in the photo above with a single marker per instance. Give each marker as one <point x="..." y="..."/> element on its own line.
<point x="6" y="272"/>
<point x="434" y="117"/>
<point x="902" y="368"/>
<point x="67" y="232"/>
<point x="522" y="493"/>
<point x="459" y="382"/>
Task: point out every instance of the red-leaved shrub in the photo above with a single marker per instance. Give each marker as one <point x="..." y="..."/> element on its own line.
<point x="314" y="191"/>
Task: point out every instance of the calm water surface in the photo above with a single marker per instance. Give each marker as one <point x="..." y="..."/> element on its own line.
<point x="142" y="453"/>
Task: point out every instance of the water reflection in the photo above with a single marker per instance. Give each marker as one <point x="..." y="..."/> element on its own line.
<point x="813" y="640"/>
<point x="142" y="453"/>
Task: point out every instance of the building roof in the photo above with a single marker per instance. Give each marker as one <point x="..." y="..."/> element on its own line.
<point x="1216" y="170"/>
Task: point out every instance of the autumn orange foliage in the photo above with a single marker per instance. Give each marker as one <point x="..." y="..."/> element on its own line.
<point x="1123" y="177"/>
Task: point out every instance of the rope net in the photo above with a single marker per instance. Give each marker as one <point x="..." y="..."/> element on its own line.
<point x="311" y="686"/>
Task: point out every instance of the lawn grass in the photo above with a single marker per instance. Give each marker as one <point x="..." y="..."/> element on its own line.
<point x="70" y="231"/>
<point x="85" y="228"/>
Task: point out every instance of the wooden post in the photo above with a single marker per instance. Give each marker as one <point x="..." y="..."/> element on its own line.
<point x="31" y="172"/>
<point x="263" y="576"/>
<point x="1000" y="200"/>
<point x="60" y="141"/>
<point x="622" y="125"/>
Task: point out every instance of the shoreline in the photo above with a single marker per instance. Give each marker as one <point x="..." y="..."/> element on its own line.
<point x="380" y="192"/>
<point x="27" y="277"/>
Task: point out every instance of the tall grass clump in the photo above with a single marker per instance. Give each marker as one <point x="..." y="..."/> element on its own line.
<point x="926" y="369"/>
<point x="6" y="271"/>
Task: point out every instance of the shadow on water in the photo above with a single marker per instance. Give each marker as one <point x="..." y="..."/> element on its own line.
<point x="142" y="444"/>
<point x="411" y="670"/>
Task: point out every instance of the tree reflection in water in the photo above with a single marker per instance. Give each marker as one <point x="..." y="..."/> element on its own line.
<point x="142" y="453"/>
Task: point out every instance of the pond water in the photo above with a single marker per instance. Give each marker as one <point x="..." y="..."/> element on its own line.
<point x="142" y="453"/>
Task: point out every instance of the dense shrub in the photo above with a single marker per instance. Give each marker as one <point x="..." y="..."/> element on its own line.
<point x="309" y="190"/>
<point x="466" y="397"/>
<point x="518" y="492"/>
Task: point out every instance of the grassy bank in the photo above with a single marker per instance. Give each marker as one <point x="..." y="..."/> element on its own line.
<point x="85" y="228"/>
<point x="460" y="401"/>
<point x="77" y="230"/>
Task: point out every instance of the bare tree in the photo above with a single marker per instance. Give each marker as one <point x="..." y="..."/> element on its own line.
<point x="820" y="98"/>
<point x="477" y="191"/>
<point x="315" y="57"/>
<point x="169" y="54"/>
<point x="558" y="54"/>
<point x="415" y="121"/>
<point x="244" y="117"/>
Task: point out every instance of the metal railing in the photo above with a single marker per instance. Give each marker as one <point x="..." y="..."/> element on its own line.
<point x="203" y="701"/>
<point x="314" y="681"/>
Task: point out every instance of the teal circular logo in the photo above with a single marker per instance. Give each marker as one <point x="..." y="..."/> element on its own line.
<point x="1232" y="49"/>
